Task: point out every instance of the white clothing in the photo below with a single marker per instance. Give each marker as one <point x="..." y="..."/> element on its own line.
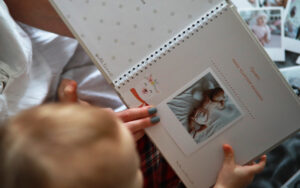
<point x="32" y="63"/>
<point x="261" y="31"/>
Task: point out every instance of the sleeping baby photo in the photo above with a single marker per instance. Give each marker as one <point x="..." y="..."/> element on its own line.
<point x="204" y="108"/>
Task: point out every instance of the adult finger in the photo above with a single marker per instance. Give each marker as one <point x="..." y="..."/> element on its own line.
<point x="228" y="154"/>
<point x="138" y="135"/>
<point x="136" y="113"/>
<point x="258" y="167"/>
<point x="141" y="124"/>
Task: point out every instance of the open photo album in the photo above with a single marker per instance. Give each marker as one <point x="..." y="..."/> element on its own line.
<point x="200" y="64"/>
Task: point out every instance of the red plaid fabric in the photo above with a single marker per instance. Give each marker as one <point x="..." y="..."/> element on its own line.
<point x="157" y="172"/>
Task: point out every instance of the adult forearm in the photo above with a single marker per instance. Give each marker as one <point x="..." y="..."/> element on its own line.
<point x="37" y="13"/>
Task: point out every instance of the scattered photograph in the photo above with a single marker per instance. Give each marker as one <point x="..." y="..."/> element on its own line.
<point x="273" y="3"/>
<point x="245" y="3"/>
<point x="292" y="26"/>
<point x="292" y="76"/>
<point x="266" y="25"/>
<point x="204" y="108"/>
<point x="292" y="21"/>
<point x="291" y="60"/>
<point x="290" y="69"/>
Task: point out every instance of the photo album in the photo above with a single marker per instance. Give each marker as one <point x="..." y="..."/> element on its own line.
<point x="199" y="63"/>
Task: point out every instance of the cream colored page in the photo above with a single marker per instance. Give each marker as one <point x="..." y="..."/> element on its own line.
<point x="121" y="33"/>
<point x="269" y="110"/>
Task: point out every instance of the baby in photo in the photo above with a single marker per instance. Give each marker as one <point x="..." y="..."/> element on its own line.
<point x="261" y="29"/>
<point x="204" y="108"/>
<point x="200" y="117"/>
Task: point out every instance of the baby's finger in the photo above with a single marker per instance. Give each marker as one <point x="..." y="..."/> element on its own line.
<point x="67" y="91"/>
<point x="258" y="167"/>
<point x="141" y="124"/>
<point x="136" y="113"/>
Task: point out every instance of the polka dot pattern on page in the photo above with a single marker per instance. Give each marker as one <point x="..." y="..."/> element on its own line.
<point x="129" y="30"/>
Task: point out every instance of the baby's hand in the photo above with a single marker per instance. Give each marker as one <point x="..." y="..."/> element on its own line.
<point x="137" y="119"/>
<point x="67" y="92"/>
<point x="236" y="176"/>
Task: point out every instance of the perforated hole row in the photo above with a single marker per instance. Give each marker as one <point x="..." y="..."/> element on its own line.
<point x="169" y="46"/>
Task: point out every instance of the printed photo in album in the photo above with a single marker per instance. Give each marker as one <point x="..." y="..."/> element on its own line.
<point x="204" y="108"/>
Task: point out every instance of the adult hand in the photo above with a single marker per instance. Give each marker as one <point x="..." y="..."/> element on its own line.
<point x="234" y="175"/>
<point x="137" y="119"/>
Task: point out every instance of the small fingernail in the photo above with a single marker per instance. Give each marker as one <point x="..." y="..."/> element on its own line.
<point x="69" y="89"/>
<point x="152" y="111"/>
<point x="155" y="120"/>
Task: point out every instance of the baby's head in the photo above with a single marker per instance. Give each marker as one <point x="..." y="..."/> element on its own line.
<point x="217" y="95"/>
<point x="261" y="19"/>
<point x="69" y="146"/>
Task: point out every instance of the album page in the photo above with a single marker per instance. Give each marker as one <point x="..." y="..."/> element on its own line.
<point x="216" y="85"/>
<point x="119" y="34"/>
